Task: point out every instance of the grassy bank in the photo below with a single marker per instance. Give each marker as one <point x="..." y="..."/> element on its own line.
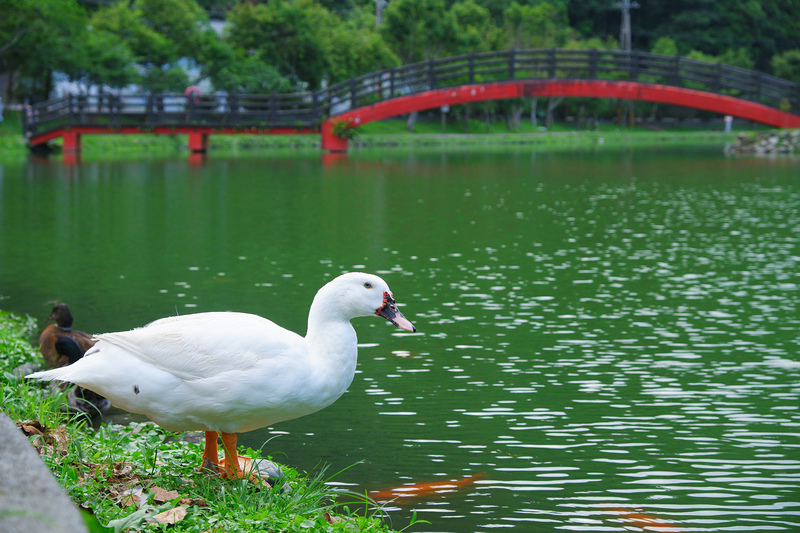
<point x="380" y="135"/>
<point x="142" y="478"/>
<point x="12" y="142"/>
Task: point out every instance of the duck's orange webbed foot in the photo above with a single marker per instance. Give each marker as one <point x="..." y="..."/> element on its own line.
<point x="235" y="466"/>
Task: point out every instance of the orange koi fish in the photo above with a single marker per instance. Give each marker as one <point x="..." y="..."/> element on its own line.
<point x="645" y="521"/>
<point x="425" y="490"/>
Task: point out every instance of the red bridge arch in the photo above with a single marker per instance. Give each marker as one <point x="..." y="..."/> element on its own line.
<point x="665" y="94"/>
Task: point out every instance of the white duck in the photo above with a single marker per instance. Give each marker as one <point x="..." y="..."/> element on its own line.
<point x="227" y="372"/>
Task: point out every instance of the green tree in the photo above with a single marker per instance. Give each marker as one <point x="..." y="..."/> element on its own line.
<point x="36" y="37"/>
<point x="217" y="8"/>
<point x="596" y="18"/>
<point x="167" y="38"/>
<point x="496" y="8"/>
<point x="542" y="25"/>
<point x="787" y="65"/>
<point x="419" y="29"/>
<point x="250" y="74"/>
<point x="474" y="27"/>
<point x="761" y="27"/>
<point x="283" y="34"/>
<point x="535" y="26"/>
<point x="102" y="60"/>
<point x="738" y="57"/>
<point x="149" y="47"/>
<point x="286" y="34"/>
<point x="665" y="46"/>
<point x="352" y="46"/>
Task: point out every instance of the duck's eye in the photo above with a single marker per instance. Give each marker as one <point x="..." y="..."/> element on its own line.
<point x="367" y="285"/>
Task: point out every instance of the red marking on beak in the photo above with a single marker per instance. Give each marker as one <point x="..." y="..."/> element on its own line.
<point x="390" y="312"/>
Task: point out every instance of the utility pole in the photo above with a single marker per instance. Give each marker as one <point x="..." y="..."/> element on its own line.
<point x="625" y="45"/>
<point x="379" y="5"/>
<point x="625" y="23"/>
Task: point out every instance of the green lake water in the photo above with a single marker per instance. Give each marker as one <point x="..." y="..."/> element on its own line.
<point x="610" y="336"/>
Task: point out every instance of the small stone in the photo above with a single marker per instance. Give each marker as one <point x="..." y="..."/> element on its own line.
<point x="272" y="472"/>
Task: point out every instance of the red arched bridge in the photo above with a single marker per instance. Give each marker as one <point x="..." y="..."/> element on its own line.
<point x="428" y="84"/>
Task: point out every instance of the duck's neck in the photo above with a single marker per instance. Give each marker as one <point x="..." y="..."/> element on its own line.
<point x="329" y="329"/>
<point x="331" y="336"/>
<point x="332" y="355"/>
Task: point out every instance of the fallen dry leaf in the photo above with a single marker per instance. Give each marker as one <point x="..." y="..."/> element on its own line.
<point x="199" y="502"/>
<point x="31" y="427"/>
<point x="171" y="516"/>
<point x="122" y="469"/>
<point x="161" y="495"/>
<point x="127" y="497"/>
<point x="329" y="518"/>
<point x="45" y="440"/>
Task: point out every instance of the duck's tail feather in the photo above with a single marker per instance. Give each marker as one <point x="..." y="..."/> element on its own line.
<point x="59" y="374"/>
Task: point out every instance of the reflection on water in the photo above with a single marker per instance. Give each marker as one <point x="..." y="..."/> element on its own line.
<point x="612" y="338"/>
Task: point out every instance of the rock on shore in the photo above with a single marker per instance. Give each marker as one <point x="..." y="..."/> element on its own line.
<point x="767" y="142"/>
<point x="30" y="497"/>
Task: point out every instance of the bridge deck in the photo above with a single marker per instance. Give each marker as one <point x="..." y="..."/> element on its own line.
<point x="730" y="90"/>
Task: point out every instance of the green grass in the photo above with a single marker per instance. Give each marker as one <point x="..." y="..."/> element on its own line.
<point x="560" y="136"/>
<point x="11" y="123"/>
<point x="12" y="143"/>
<point x="136" y="477"/>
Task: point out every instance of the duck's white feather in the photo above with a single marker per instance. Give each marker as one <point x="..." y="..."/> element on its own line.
<point x="230" y="372"/>
<point x="194" y="346"/>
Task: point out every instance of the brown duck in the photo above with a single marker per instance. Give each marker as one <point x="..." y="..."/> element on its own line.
<point x="62" y="328"/>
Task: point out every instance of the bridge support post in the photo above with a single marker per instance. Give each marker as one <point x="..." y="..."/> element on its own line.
<point x="331" y="142"/>
<point x="198" y="142"/>
<point x="72" y="142"/>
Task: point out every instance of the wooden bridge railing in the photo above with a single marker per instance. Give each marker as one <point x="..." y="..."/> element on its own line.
<point x="308" y="109"/>
<point x="164" y="110"/>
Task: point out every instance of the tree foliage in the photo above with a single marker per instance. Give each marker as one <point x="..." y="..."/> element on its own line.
<point x="283" y="33"/>
<point x="285" y="45"/>
<point x="165" y="37"/>
<point x="249" y="73"/>
<point x="36" y="38"/>
<point x="419" y="29"/>
<point x="102" y="61"/>
<point x="353" y="47"/>
<point x="543" y="25"/>
<point x="787" y="65"/>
